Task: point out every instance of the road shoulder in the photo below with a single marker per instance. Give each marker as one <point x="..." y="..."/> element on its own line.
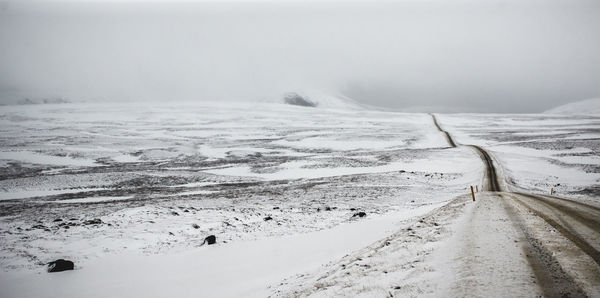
<point x="464" y="248"/>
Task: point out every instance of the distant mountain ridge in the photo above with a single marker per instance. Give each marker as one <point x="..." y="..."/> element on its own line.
<point x="585" y="107"/>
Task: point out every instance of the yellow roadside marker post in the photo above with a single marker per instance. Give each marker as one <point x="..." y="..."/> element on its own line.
<point x="472" y="193"/>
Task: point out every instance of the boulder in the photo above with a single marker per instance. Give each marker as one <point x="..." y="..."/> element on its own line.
<point x="359" y="214"/>
<point x="60" y="265"/>
<point x="212" y="239"/>
<point x="95" y="221"/>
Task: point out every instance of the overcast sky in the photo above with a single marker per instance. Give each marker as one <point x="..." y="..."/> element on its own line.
<point x="446" y="55"/>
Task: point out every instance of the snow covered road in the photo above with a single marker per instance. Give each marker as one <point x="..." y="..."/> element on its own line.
<point x="504" y="244"/>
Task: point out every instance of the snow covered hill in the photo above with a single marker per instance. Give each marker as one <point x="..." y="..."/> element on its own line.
<point x="585" y="107"/>
<point x="317" y="99"/>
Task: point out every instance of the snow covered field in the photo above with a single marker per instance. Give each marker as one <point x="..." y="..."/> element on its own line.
<point x="132" y="190"/>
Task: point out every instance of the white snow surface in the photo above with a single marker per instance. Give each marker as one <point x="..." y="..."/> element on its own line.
<point x="161" y="177"/>
<point x="241" y="269"/>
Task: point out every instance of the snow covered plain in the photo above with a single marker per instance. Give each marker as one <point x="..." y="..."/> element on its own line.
<point x="91" y="182"/>
<point x="129" y="191"/>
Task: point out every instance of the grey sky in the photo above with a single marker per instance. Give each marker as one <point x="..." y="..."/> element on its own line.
<point x="502" y="56"/>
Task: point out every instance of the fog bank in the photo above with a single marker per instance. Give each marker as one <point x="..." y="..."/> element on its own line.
<point x="493" y="56"/>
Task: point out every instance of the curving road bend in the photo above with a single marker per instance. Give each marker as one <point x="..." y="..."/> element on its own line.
<point x="490" y="170"/>
<point x="490" y="176"/>
<point x="561" y="236"/>
<point x="448" y="136"/>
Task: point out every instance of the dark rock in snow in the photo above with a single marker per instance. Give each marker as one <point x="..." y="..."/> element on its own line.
<point x="267" y="218"/>
<point x="212" y="239"/>
<point x="60" y="265"/>
<point x="95" y="221"/>
<point x="327" y="208"/>
<point x="57" y="220"/>
<point x="359" y="214"/>
<point x="195" y="226"/>
<point x="275" y="208"/>
<point x="174" y="213"/>
<point x="352" y="209"/>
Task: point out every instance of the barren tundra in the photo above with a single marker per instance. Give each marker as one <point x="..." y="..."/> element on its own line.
<point x="129" y="192"/>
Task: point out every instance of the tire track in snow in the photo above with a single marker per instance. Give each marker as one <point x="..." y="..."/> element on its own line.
<point x="551" y="277"/>
<point x="564" y="221"/>
<point x="583" y="213"/>
<point x="590" y="207"/>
